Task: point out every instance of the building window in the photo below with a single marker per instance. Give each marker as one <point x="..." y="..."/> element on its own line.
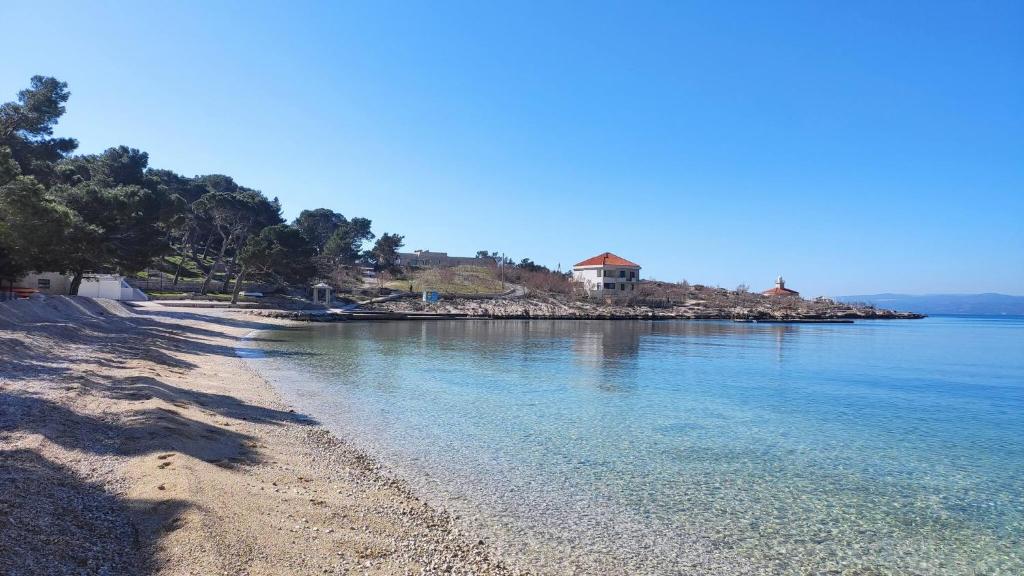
<point x="631" y="286"/>
<point x="43" y="283"/>
<point x="609" y="286"/>
<point x="622" y="273"/>
<point x="632" y="274"/>
<point x="622" y="286"/>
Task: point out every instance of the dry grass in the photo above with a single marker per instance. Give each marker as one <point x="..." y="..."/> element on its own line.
<point x="455" y="280"/>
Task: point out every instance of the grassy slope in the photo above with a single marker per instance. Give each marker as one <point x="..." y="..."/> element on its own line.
<point x="188" y="269"/>
<point x="458" y="280"/>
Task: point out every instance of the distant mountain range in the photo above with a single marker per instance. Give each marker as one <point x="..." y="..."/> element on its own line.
<point x="978" y="304"/>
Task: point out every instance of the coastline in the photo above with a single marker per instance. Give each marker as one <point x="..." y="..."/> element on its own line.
<point x="138" y="441"/>
<point x="534" y="310"/>
<point x="514" y="397"/>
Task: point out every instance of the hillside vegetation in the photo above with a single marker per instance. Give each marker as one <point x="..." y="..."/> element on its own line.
<point x="456" y="280"/>
<point x="112" y="212"/>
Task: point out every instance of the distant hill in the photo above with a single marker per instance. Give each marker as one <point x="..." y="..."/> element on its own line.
<point x="978" y="304"/>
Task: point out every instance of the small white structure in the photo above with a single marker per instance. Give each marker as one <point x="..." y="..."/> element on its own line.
<point x="109" y="286"/>
<point x="607" y="275"/>
<point x="112" y="286"/>
<point x="322" y="294"/>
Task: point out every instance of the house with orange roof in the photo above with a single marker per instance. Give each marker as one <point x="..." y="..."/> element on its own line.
<point x="607" y="275"/>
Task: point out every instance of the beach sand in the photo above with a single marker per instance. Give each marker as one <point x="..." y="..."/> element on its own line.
<point x="137" y="442"/>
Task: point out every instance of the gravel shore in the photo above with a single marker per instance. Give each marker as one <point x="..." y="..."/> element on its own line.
<point x="137" y="442"/>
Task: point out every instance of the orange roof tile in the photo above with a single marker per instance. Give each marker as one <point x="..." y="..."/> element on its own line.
<point x="607" y="259"/>
<point x="780" y="292"/>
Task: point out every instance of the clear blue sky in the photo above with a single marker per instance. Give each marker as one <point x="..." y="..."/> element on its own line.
<point x="855" y="147"/>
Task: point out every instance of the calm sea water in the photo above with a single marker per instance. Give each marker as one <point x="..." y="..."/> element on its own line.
<point x="691" y="447"/>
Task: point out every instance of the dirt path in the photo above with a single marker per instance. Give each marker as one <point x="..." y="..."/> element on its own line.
<point x="138" y="443"/>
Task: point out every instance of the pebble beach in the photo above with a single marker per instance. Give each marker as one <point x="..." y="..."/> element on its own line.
<point x="137" y="441"/>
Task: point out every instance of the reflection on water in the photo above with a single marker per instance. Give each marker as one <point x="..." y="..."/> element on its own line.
<point x="693" y="447"/>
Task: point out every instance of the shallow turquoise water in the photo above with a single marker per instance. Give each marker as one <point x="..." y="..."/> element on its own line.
<point x="692" y="447"/>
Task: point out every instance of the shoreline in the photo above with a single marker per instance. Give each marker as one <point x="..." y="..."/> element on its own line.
<point x="521" y="464"/>
<point x="139" y="441"/>
<point x="701" y="304"/>
<point x="329" y="316"/>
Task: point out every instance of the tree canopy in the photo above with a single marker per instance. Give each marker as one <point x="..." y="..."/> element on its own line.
<point x="384" y="255"/>
<point x="33" y="228"/>
<point x="112" y="212"/>
<point x="281" y="252"/>
<point x="318" y="226"/>
<point x="336" y="240"/>
<point x="345" y="246"/>
<point x="26" y="127"/>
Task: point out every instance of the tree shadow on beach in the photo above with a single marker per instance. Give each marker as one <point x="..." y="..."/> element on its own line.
<point x="18" y="359"/>
<point x="46" y="349"/>
<point x="220" y="319"/>
<point x="54" y="522"/>
<point x="54" y="385"/>
<point x="142" y="388"/>
<point x="145" y="430"/>
<point x="192" y="339"/>
<point x="120" y="339"/>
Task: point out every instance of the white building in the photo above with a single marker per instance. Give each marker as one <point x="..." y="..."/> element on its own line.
<point x="111" y="286"/>
<point x="44" y="282"/>
<point x="607" y="275"/>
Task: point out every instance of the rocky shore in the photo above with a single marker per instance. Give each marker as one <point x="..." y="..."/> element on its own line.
<point x="709" y="304"/>
<point x="695" y="310"/>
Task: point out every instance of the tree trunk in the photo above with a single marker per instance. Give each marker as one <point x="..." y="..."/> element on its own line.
<point x="238" y="285"/>
<point x="177" y="270"/>
<point x="207" y="247"/>
<point x="76" y="283"/>
<point x="227" y="276"/>
<point x="186" y="242"/>
<point x="220" y="258"/>
<point x="209" y="277"/>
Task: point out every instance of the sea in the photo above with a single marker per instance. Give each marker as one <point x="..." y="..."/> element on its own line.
<point x="689" y="447"/>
